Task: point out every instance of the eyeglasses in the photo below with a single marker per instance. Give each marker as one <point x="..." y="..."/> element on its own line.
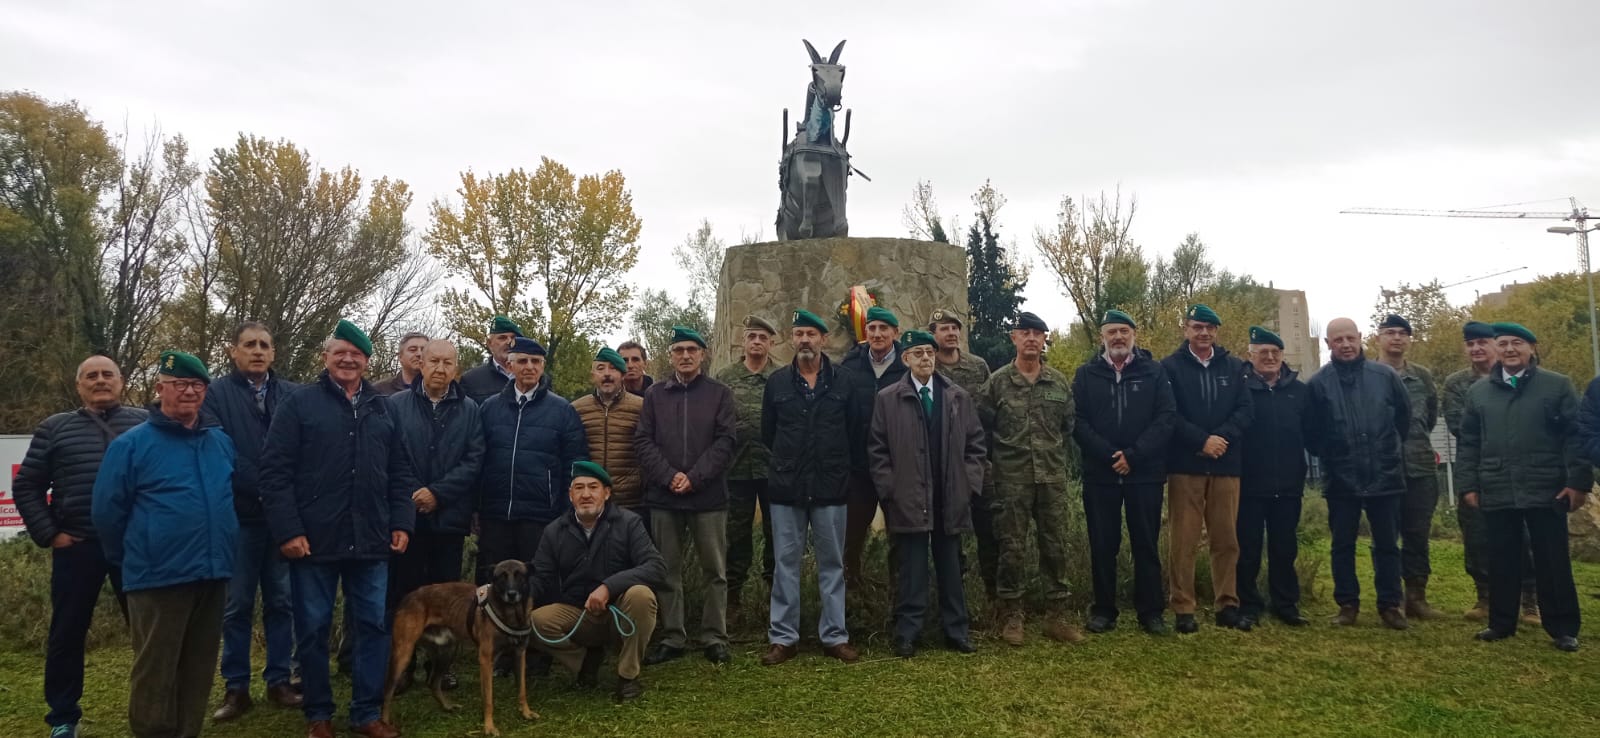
<point x="186" y="386"/>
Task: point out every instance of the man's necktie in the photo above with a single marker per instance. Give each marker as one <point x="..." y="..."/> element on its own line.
<point x="927" y="402"/>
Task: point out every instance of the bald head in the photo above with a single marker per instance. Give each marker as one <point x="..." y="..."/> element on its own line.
<point x="440" y="364"/>
<point x="1343" y="339"/>
<point x="99" y="383"/>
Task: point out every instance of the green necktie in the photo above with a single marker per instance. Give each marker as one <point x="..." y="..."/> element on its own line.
<point x="927" y="402"/>
<point x="1512" y="380"/>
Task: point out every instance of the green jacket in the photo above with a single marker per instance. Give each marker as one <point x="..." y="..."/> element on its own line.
<point x="969" y="372"/>
<point x="1518" y="446"/>
<point x="1453" y="397"/>
<point x="749" y="454"/>
<point x="1028" y="425"/>
<point x="1424" y="394"/>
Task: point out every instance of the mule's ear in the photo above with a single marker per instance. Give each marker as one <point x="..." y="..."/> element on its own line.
<point x="834" y="57"/>
<point x="815" y="57"/>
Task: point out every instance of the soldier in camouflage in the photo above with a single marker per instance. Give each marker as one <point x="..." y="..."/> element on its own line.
<point x="1421" y="465"/>
<point x="747" y="478"/>
<point x="969" y="372"/>
<point x="1026" y="409"/>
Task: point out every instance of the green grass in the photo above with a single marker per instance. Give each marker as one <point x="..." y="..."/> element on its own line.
<point x="1362" y="681"/>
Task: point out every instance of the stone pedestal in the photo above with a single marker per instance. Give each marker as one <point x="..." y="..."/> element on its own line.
<point x="911" y="278"/>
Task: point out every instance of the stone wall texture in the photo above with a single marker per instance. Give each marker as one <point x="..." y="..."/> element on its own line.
<point x="912" y="278"/>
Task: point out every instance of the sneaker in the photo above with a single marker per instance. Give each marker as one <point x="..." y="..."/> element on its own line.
<point x="65" y="730"/>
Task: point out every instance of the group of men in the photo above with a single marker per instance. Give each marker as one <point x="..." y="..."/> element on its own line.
<point x="249" y="483"/>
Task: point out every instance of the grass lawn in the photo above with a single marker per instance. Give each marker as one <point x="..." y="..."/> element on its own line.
<point x="1276" y="681"/>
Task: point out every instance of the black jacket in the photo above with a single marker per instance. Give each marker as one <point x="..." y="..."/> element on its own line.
<point x="1134" y="416"/>
<point x="568" y="565"/>
<point x="1359" y="415"/>
<point x="445" y="447"/>
<point x="1275" y="446"/>
<point x="61" y="464"/>
<point x="812" y="441"/>
<point x="528" y="455"/>
<point x="484" y="381"/>
<point x="867" y="385"/>
<point x="231" y="401"/>
<point x="691" y="429"/>
<point x="336" y="473"/>
<point x="1212" y="401"/>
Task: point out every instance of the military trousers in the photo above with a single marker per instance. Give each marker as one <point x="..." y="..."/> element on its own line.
<point x="1196" y="502"/>
<point x="1044" y="506"/>
<point x="1416" y="525"/>
<point x="745" y="496"/>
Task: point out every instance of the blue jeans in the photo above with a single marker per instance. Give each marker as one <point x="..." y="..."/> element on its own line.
<point x="365" y="586"/>
<point x="789" y="524"/>
<point x="257" y="563"/>
<point x="1344" y="522"/>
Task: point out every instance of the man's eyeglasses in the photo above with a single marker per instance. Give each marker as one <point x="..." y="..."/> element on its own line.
<point x="186" y="386"/>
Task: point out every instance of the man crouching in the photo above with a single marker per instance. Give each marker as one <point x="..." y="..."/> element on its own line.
<point x="595" y="571"/>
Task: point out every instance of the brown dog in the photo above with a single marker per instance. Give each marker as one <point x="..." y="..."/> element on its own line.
<point x="439" y="615"/>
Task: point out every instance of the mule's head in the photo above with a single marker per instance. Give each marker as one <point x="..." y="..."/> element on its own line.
<point x="510" y="582"/>
<point x="827" y="77"/>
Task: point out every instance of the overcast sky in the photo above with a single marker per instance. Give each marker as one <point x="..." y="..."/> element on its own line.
<point x="1252" y="122"/>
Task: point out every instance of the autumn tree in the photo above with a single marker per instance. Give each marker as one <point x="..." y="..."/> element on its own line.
<point x="921" y="216"/>
<point x="995" y="280"/>
<point x="651" y="321"/>
<point x="699" y="257"/>
<point x="1435" y="325"/>
<point x="1085" y="247"/>
<point x="1556" y="309"/>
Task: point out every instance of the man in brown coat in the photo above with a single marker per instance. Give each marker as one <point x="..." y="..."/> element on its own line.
<point x="926" y="453"/>
<point x="610" y="414"/>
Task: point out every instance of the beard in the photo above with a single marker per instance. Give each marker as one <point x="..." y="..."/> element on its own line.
<point x="1119" y="353"/>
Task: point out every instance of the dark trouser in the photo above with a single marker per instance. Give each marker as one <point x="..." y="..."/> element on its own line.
<point x="988" y="546"/>
<point x="77" y="573"/>
<point x="1416" y="525"/>
<point x="913" y="585"/>
<point x="1278" y="518"/>
<point x="1102" y="510"/>
<point x="499" y="540"/>
<point x="1546" y="530"/>
<point x="744" y="496"/>
<point x="365" y="585"/>
<point x="176" y="632"/>
<point x="1476" y="553"/>
<point x="257" y="565"/>
<point x="1344" y="522"/>
<point x="430" y="558"/>
<point x="860" y="510"/>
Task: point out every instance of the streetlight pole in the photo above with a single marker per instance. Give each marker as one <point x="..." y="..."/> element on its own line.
<point x="1582" y="233"/>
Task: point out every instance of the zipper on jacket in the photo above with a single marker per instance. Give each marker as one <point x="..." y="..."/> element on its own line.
<point x="511" y="482"/>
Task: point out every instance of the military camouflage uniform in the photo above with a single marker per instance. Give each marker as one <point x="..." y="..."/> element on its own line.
<point x="747" y="477"/>
<point x="969" y="373"/>
<point x="1422" y="476"/>
<point x="1028" y="426"/>
<point x="1474" y="536"/>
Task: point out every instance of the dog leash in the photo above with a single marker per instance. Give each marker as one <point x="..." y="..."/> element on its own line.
<point x="618" y="617"/>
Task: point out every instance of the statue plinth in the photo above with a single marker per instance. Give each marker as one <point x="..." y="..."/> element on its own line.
<point x="911" y="278"/>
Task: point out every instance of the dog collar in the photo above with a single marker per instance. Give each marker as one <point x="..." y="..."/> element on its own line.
<point x="483" y="604"/>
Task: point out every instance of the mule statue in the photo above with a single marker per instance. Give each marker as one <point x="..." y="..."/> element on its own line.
<point x="815" y="166"/>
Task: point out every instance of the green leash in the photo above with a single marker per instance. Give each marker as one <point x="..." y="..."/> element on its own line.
<point x="618" y="618"/>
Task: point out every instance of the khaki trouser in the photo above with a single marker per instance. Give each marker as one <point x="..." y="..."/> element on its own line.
<point x="1195" y="501"/>
<point x="176" y="633"/>
<point x="555" y="621"/>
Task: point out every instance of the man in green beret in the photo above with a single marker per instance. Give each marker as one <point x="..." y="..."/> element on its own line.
<point x="610" y="415"/>
<point x="485" y="381"/>
<point x="1482" y="353"/>
<point x="747" y="478"/>
<point x="163" y="504"/>
<point x="877" y="362"/>
<point x="1523" y="462"/>
<point x="1273" y="483"/>
<point x="1422" y="468"/>
<point x="685" y="439"/>
<point x="968" y="371"/>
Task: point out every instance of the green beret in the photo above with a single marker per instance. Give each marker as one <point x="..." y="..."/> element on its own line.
<point x="347" y="331"/>
<point x="183" y="366"/>
<point x="1259" y="335"/>
<point x="502" y="324"/>
<point x="591" y="469"/>
<point x="684" y="333"/>
<point x="1204" y="314"/>
<point x="1117" y="316"/>
<point x="613" y="358"/>
<point x="808" y="319"/>
<point x="1515" y="330"/>
<point x="881" y="313"/>
<point x="756" y="322"/>
<point x="1474" y="330"/>
<point x="914" y="338"/>
<point x="944" y="315"/>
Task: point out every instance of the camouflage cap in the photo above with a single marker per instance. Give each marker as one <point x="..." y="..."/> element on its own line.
<point x="944" y="315"/>
<point x="756" y="322"/>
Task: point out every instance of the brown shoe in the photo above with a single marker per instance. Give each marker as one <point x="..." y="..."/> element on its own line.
<point x="1011" y="632"/>
<point x="1347" y="615"/>
<point x="778" y="653"/>
<point x="1479" y="612"/>
<point x="285" y="695"/>
<point x="1393" y="618"/>
<point x="319" y="729"/>
<point x="1060" y="630"/>
<point x="1530" y="615"/>
<point x="843" y="652"/>
<point x="1417" y="601"/>
<point x="234" y="704"/>
<point x="376" y="729"/>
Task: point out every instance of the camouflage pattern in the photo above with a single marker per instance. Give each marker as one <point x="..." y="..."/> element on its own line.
<point x="1029" y="425"/>
<point x="1418" y="381"/>
<point x="969" y="372"/>
<point x="749" y="455"/>
<point x="1015" y="506"/>
<point x="1453" y="397"/>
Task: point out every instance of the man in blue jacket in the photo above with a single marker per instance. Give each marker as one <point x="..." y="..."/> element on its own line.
<point x="337" y="484"/>
<point x="1273" y="483"/>
<point x="244" y="402"/>
<point x="163" y="504"/>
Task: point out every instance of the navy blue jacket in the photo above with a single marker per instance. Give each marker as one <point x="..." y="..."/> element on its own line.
<point x="163" y="504"/>
<point x="336" y="473"/>
<point x="55" y="482"/>
<point x="232" y="401"/>
<point x="445" y="447"/>
<point x="1275" y="446"/>
<point x="529" y="450"/>
<point x="1134" y="415"/>
<point x="1212" y="401"/>
<point x="1360" y="413"/>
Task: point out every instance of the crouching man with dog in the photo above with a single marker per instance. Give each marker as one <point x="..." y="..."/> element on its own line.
<point x="593" y="581"/>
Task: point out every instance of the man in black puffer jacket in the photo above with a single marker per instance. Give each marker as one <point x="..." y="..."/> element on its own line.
<point x="1203" y="466"/>
<point x="1274" y="481"/>
<point x="1359" y="417"/>
<point x="1125" y="414"/>
<point x="53" y="489"/>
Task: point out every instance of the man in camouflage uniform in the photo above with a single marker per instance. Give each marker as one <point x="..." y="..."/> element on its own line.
<point x="1421" y="466"/>
<point x="747" y="478"/>
<point x="1481" y="354"/>
<point x="1026" y="408"/>
<point x="969" y="372"/>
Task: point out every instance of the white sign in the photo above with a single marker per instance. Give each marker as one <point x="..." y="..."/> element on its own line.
<point x="12" y="449"/>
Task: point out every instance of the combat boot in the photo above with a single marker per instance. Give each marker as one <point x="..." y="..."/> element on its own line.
<point x="1347" y="615"/>
<point x="1417" y="600"/>
<point x="1057" y="628"/>
<point x="1393" y="618"/>
<point x="1011" y="632"/>
<point x="1479" y="612"/>
<point x="1530" y="610"/>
